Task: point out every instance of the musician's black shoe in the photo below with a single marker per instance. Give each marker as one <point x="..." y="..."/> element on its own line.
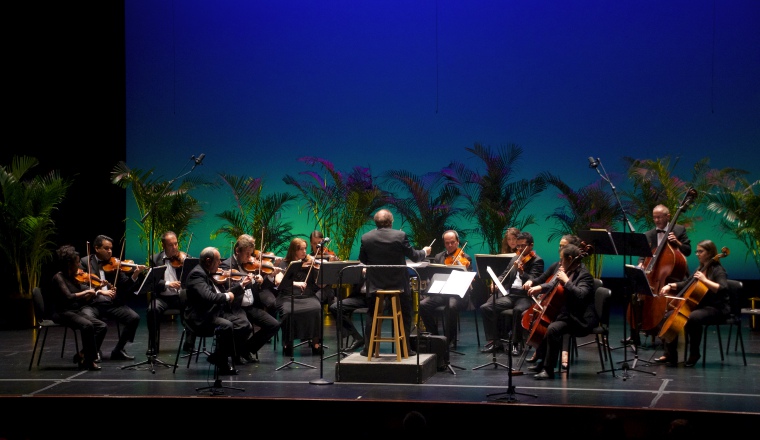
<point x="121" y="355"/>
<point x="544" y="375"/>
<point x="250" y="358"/>
<point x="490" y="348"/>
<point x="533" y="359"/>
<point x="631" y="340"/>
<point x="356" y="344"/>
<point x="536" y="368"/>
<point x="364" y="352"/>
<point x="692" y="360"/>
<point x="412" y="353"/>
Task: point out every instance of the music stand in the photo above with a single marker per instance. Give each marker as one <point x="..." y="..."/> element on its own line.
<point x="331" y="272"/>
<point x="626" y="245"/>
<point x="149" y="285"/>
<point x="285" y="284"/>
<point x="453" y="281"/>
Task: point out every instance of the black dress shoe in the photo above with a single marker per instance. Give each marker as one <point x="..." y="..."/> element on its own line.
<point x="121" y="355"/>
<point x="535" y="368"/>
<point x="364" y="352"/>
<point x="249" y="358"/>
<point x="544" y="375"/>
<point x="239" y="360"/>
<point x="533" y="359"/>
<point x="317" y="350"/>
<point x="78" y="358"/>
<point x="491" y="348"/>
<point x="412" y="352"/>
<point x="692" y="360"/>
<point x="356" y="344"/>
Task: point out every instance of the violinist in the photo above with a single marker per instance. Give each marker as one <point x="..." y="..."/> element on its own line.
<point x="712" y="308"/>
<point x="300" y="292"/>
<point x="576" y="317"/>
<point x="321" y="254"/>
<point x="452" y="255"/>
<point x="111" y="300"/>
<point x="678" y="239"/>
<point x="524" y="266"/>
<point x="250" y="304"/>
<point x="69" y="297"/>
<point x="205" y="309"/>
<point x="167" y="295"/>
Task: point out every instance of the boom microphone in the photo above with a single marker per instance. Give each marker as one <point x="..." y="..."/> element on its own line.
<point x="593" y="163"/>
<point x="199" y="160"/>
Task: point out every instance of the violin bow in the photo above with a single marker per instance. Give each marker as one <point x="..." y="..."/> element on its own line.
<point x="187" y="252"/>
<point x="519" y="257"/>
<point x="461" y="251"/>
<point x="89" y="268"/>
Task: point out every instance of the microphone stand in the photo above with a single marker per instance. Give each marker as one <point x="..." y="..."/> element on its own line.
<point x="322" y="380"/>
<point x="153" y="343"/>
<point x="625" y="367"/>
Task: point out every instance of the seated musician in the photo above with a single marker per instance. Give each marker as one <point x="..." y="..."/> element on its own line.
<point x="711" y="309"/>
<point x="452" y="255"/>
<point x="297" y="302"/>
<point x="525" y="266"/>
<point x="577" y="316"/>
<point x="545" y="277"/>
<point x="264" y="325"/>
<point x="321" y="253"/>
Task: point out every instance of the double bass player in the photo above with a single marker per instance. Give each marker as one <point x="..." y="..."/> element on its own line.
<point x="676" y="249"/>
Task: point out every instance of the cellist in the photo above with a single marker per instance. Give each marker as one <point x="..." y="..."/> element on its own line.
<point x="678" y="239"/>
<point x="577" y="316"/>
<point x="712" y="308"/>
<point x="545" y="277"/>
<point x="452" y="255"/>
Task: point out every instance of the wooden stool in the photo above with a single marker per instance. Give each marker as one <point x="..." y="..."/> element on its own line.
<point x="398" y="337"/>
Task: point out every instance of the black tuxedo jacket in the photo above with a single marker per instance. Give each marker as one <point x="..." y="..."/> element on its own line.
<point x="386" y="246"/>
<point x="680" y="233"/>
<point x="203" y="301"/>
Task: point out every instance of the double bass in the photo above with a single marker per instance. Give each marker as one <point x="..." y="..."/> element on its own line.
<point x="667" y="264"/>
<point x="687" y="300"/>
<point x="543" y="313"/>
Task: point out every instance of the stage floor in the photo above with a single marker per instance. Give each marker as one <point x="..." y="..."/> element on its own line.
<point x="726" y="389"/>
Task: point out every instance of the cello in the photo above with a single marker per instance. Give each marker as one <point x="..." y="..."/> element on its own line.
<point x="667" y="264"/>
<point x="546" y="311"/>
<point x="687" y="300"/>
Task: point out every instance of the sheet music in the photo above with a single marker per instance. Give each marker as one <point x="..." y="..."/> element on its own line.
<point x="496" y="281"/>
<point x="456" y="284"/>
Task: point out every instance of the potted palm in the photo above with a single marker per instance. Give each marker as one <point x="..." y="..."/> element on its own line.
<point x="27" y="202"/>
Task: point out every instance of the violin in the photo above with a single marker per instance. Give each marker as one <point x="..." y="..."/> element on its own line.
<point x="221" y="276"/>
<point x="84" y="277"/>
<point x="457" y="258"/>
<point x="525" y="259"/>
<point x="178" y="260"/>
<point x="122" y="265"/>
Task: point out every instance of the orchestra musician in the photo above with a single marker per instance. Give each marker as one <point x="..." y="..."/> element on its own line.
<point x="69" y="295"/>
<point x="112" y="296"/>
<point x="525" y="266"/>
<point x="546" y="276"/>
<point x="576" y="317"/>
<point x="452" y="255"/>
<point x="205" y="310"/>
<point x="306" y="311"/>
<point x="509" y="242"/>
<point x="678" y="239"/>
<point x="319" y="251"/>
<point x="711" y="309"/>
<point x="264" y="325"/>
<point x="387" y="246"/>
<point x="167" y="295"/>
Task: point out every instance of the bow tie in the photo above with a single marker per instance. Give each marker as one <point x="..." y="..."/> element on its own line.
<point x="660" y="231"/>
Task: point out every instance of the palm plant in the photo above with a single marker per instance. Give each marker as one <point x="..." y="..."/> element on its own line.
<point x="591" y="207"/>
<point x="492" y="200"/>
<point x="428" y="208"/>
<point x="654" y="183"/>
<point x="26" y="225"/>
<point x="737" y="204"/>
<point x="342" y="206"/>
<point x="254" y="212"/>
<point x="161" y="207"/>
